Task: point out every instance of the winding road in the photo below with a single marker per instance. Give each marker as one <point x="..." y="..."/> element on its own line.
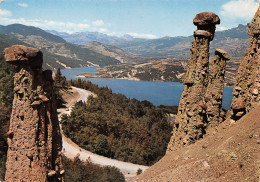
<point x="71" y="150"/>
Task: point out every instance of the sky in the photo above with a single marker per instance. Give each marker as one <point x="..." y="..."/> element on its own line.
<point x="138" y="18"/>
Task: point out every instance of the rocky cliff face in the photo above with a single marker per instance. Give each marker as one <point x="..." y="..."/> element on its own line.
<point x="247" y="85"/>
<point x="214" y="93"/>
<point x="195" y="112"/>
<point x="34" y="138"/>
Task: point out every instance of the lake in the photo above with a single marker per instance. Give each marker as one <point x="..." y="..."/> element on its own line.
<point x="157" y="92"/>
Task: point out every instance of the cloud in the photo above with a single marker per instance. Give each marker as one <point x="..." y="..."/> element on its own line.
<point x="98" y="23"/>
<point x="47" y="24"/>
<point x="221" y="28"/>
<point x="60" y="26"/>
<point x="24" y="5"/>
<point x="103" y="30"/>
<point x="4" y="12"/>
<point x="68" y="27"/>
<point x="239" y="9"/>
<point x="146" y="36"/>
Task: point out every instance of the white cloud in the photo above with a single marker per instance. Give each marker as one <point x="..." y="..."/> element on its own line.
<point x="83" y="26"/>
<point x="47" y="24"/>
<point x="4" y="12"/>
<point x="111" y="33"/>
<point x="103" y="30"/>
<point x="98" y="23"/>
<point x="221" y="28"/>
<point x="24" y="5"/>
<point x="146" y="36"/>
<point x="68" y="27"/>
<point x="242" y="9"/>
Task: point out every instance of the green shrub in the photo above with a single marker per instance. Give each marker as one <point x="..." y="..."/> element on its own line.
<point x="78" y="171"/>
<point x="101" y="145"/>
<point x="139" y="171"/>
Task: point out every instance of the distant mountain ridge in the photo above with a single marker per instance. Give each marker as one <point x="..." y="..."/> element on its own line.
<point x="83" y="38"/>
<point x="23" y="31"/>
<point x="117" y="53"/>
<point x="60" y="53"/>
<point x="57" y="52"/>
<point x="234" y="41"/>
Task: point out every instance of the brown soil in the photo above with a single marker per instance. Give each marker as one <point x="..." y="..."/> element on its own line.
<point x="230" y="152"/>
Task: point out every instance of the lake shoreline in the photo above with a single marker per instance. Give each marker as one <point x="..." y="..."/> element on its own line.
<point x="87" y="75"/>
<point x="101" y="76"/>
<point x="157" y="92"/>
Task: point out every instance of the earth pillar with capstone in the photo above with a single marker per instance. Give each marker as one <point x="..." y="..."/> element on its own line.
<point x="34" y="138"/>
<point x="190" y="123"/>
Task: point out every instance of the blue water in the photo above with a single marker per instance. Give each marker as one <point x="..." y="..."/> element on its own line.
<point x="159" y="93"/>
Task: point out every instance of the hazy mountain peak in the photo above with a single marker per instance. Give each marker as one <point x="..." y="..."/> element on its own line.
<point x="15" y="30"/>
<point x="84" y="38"/>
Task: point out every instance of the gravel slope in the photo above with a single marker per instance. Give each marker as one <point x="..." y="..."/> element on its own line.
<point x="229" y="152"/>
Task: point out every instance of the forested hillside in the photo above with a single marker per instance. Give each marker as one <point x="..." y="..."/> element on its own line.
<point x="117" y="127"/>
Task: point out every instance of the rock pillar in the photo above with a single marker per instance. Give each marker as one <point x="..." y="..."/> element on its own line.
<point x="190" y="121"/>
<point x="34" y="138"/>
<point x="213" y="96"/>
<point x="247" y="85"/>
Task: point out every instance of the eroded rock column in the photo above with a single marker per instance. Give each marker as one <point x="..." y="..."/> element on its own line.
<point x="190" y="121"/>
<point x="34" y="138"/>
<point x="247" y="86"/>
<point x="214" y="94"/>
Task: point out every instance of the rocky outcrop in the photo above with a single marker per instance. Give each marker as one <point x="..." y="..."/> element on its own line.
<point x="214" y="93"/>
<point x="247" y="85"/>
<point x="191" y="119"/>
<point x="34" y="138"/>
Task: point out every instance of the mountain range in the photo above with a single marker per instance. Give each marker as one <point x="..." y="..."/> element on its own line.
<point x="234" y="41"/>
<point x="61" y="50"/>
<point x="83" y="38"/>
<point x="57" y="51"/>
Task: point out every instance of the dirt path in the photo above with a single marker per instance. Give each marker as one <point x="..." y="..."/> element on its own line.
<point x="71" y="150"/>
